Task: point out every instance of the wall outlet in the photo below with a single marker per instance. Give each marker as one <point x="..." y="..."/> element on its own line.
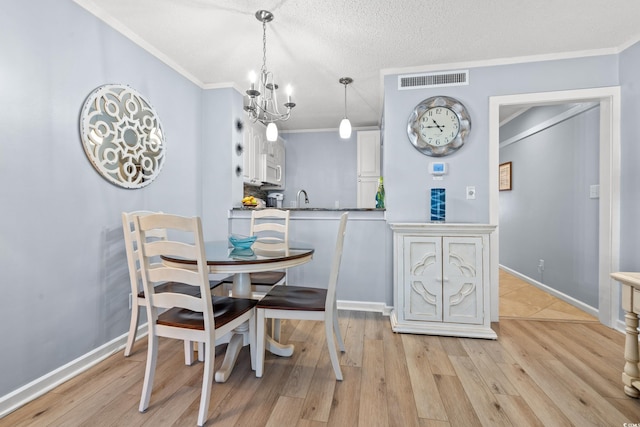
<point x="541" y="266"/>
<point x="471" y="193"/>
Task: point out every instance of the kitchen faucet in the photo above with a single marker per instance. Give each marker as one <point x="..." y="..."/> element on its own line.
<point x="306" y="198"/>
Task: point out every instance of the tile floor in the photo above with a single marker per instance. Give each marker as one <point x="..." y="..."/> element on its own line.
<point x="519" y="299"/>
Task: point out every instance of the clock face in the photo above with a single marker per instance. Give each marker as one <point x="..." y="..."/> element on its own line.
<point x="438" y="126"/>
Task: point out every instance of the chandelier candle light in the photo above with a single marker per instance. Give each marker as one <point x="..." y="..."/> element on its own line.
<point x="263" y="102"/>
<point x="345" y="124"/>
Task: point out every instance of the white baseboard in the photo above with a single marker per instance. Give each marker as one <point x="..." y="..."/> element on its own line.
<point x="47" y="382"/>
<point x="377" y="307"/>
<point x="566" y="298"/>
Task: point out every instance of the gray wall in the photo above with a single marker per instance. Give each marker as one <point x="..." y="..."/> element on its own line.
<point x="62" y="261"/>
<point x="630" y="156"/>
<point x="548" y="214"/>
<point x="324" y="165"/>
<point x="407" y="181"/>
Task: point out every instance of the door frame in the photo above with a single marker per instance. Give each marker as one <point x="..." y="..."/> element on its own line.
<point x="609" y="206"/>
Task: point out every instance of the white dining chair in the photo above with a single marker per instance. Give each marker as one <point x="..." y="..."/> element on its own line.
<point x="135" y="279"/>
<point x="305" y="303"/>
<point x="271" y="226"/>
<point x="199" y="318"/>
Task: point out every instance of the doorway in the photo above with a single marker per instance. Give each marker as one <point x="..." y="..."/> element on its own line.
<point x="609" y="228"/>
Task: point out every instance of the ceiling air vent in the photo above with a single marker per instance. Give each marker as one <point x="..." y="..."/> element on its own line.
<point x="440" y="79"/>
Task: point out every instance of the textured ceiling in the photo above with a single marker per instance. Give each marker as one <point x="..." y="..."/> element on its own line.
<point x="311" y="44"/>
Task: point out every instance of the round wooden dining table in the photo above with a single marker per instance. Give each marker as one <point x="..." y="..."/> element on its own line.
<point x="223" y="259"/>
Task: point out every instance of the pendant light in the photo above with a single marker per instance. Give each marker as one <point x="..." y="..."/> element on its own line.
<point x="345" y="124"/>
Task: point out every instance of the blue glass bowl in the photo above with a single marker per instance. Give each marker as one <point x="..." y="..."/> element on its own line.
<point x="242" y="242"/>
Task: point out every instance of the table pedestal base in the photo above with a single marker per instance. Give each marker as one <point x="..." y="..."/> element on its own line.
<point x="240" y="336"/>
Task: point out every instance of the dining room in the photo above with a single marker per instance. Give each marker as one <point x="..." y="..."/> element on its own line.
<point x="65" y="324"/>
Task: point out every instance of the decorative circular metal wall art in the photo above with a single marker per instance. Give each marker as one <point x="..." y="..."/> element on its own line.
<point x="122" y="136"/>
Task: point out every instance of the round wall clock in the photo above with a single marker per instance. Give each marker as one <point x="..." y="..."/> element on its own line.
<point x="438" y="126"/>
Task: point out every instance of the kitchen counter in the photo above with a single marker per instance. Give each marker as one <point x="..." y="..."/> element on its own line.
<point x="317" y="209"/>
<point x="366" y="269"/>
<point x="318" y="213"/>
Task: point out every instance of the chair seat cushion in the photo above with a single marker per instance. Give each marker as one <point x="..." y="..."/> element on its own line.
<point x="263" y="278"/>
<point x="294" y="298"/>
<point x="225" y="309"/>
<point x="180" y="288"/>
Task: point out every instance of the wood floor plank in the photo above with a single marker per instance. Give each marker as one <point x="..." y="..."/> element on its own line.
<point x="485" y="403"/>
<point x="487" y="367"/>
<point x="452" y="346"/>
<point x="320" y="394"/>
<point x="239" y="398"/>
<point x="301" y="373"/>
<point x="587" y="396"/>
<point x="425" y="391"/>
<point x="346" y="398"/>
<point x="286" y="412"/>
<point x="374" y="325"/>
<point x="266" y="396"/>
<point x="373" y="391"/>
<point x="460" y="411"/>
<point x="89" y="408"/>
<point x="70" y="395"/>
<point x="628" y="406"/>
<point x="353" y="338"/>
<point x="437" y="356"/>
<point x="541" y="405"/>
<point x="400" y="402"/>
<point x="598" y="371"/>
<point x="518" y="412"/>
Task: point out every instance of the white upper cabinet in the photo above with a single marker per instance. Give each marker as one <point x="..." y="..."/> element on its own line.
<point x="253" y="138"/>
<point x="274" y="165"/>
<point x="263" y="161"/>
<point x="368" y="168"/>
<point x="369" y="153"/>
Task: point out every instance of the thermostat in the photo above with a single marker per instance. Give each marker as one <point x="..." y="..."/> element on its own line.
<point x="438" y="168"/>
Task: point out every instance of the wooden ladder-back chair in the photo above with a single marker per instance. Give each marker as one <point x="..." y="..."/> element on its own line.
<point x="305" y="303"/>
<point x="196" y="318"/>
<point x="137" y="292"/>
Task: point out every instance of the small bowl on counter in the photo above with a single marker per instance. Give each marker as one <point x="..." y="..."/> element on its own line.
<point x="242" y="242"/>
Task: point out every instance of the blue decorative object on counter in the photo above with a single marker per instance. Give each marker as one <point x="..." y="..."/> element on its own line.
<point x="438" y="204"/>
<point x="242" y="242"/>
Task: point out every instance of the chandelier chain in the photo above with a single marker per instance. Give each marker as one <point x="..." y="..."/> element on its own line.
<point x="264" y="47"/>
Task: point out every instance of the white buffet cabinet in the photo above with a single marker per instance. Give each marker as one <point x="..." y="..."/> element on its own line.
<point x="442" y="279"/>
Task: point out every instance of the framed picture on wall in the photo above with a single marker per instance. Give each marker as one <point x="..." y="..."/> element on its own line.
<point x="505" y="176"/>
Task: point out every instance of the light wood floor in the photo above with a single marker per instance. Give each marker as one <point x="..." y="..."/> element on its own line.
<point x="551" y="372"/>
<point x="520" y="300"/>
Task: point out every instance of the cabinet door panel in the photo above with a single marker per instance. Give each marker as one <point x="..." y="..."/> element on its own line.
<point x="368" y="153"/>
<point x="462" y="280"/>
<point x="367" y="189"/>
<point x="423" y="263"/>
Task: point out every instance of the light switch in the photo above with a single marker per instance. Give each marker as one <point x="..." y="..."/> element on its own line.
<point x="594" y="191"/>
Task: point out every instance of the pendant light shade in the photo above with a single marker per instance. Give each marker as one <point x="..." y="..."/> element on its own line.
<point x="345" y="124"/>
<point x="345" y="129"/>
<point x="272" y="132"/>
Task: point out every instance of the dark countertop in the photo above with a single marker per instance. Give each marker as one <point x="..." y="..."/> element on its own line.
<point x="315" y="209"/>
